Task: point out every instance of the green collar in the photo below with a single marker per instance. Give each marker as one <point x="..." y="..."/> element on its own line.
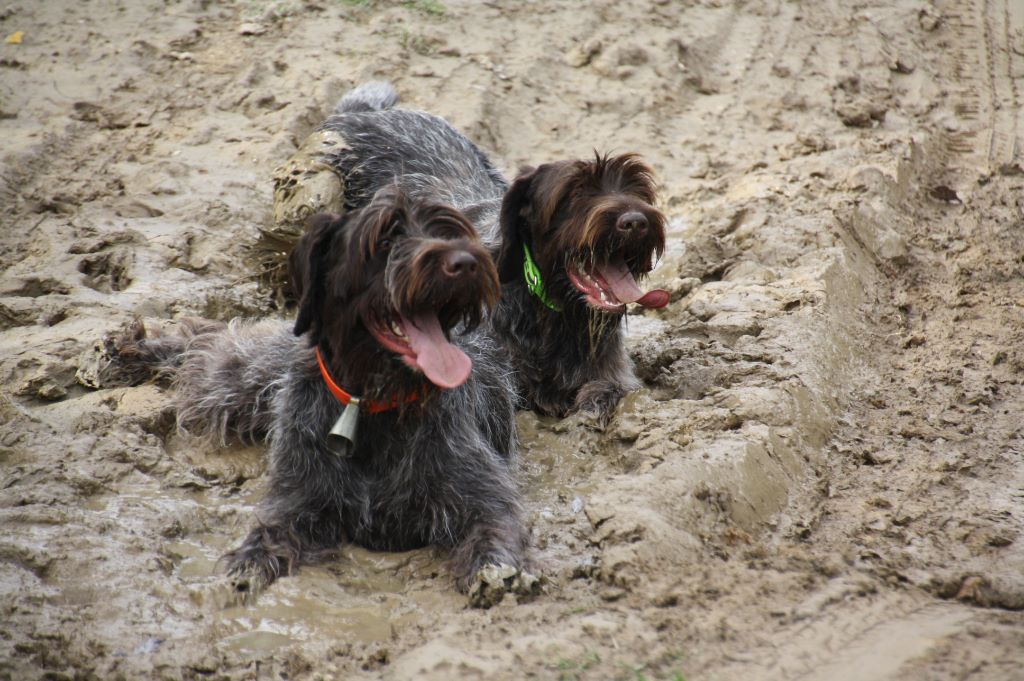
<point x="533" y="282"/>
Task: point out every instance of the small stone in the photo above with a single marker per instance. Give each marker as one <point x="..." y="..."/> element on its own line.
<point x="612" y="594"/>
<point x="581" y="55"/>
<point x="929" y="19"/>
<point x="1000" y="540"/>
<point x="252" y="28"/>
<point x="861" y="113"/>
<point x="903" y="64"/>
<point x="667" y="600"/>
<point x="879" y="458"/>
<point x="52" y="392"/>
<point x="597" y="516"/>
<point x="680" y="287"/>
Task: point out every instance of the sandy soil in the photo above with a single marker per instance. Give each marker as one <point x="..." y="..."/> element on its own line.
<point x="822" y="478"/>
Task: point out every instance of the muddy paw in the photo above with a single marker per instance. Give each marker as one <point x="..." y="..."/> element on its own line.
<point x="492" y="582"/>
<point x="592" y="420"/>
<point x="228" y="591"/>
<point x="244" y="587"/>
<point x="108" y="272"/>
<point x="101" y="366"/>
<point x="596" y="402"/>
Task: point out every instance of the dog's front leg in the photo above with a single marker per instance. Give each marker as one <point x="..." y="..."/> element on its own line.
<point x="490" y="563"/>
<point x="298" y="520"/>
<point x="267" y="553"/>
<point x="600" y="396"/>
<point x="490" y="559"/>
<point x="280" y="543"/>
<point x="598" y="399"/>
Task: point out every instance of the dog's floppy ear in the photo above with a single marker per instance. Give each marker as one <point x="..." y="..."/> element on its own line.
<point x="307" y="267"/>
<point x="510" y="257"/>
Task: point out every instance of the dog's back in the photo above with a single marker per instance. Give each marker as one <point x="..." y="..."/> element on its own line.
<point x="421" y="153"/>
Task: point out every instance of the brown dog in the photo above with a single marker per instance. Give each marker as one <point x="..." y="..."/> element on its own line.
<point x="575" y="238"/>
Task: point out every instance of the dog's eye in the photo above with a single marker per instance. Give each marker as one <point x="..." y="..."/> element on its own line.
<point x="384" y="245"/>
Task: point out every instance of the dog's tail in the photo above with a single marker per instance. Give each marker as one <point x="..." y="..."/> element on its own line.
<point x="377" y="95"/>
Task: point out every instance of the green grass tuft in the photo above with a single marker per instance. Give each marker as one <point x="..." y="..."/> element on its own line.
<point x="432" y="7"/>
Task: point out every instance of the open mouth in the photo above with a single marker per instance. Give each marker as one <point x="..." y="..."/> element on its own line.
<point x="424" y="347"/>
<point x="609" y="286"/>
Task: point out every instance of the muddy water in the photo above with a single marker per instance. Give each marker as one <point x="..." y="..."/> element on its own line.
<point x="820" y="477"/>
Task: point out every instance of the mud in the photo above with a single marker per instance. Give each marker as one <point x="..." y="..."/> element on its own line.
<point x="822" y="477"/>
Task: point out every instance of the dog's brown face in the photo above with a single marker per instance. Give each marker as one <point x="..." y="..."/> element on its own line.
<point x="392" y="280"/>
<point x="591" y="227"/>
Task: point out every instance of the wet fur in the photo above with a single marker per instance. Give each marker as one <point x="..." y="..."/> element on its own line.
<point x="565" y="361"/>
<point x="438" y="471"/>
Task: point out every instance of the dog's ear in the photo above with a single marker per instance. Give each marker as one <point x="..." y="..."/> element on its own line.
<point x="307" y="267"/>
<point x="517" y="198"/>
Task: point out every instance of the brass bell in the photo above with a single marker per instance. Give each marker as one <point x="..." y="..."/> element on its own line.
<point x="345" y="426"/>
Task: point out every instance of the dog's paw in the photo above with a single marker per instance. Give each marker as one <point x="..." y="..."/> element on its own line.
<point x="110" y="362"/>
<point x="250" y="571"/>
<point x="243" y="587"/>
<point x="596" y="403"/>
<point x="227" y="591"/>
<point x="492" y="582"/>
<point x="592" y="419"/>
<point x="245" y="581"/>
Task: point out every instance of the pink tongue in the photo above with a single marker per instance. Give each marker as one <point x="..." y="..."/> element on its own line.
<point x="621" y="282"/>
<point x="444" y="364"/>
<point x="654" y="298"/>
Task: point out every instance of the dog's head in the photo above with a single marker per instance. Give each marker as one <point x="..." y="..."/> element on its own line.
<point x="591" y="228"/>
<point x="386" y="284"/>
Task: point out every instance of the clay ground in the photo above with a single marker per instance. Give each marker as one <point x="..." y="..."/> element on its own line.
<point x="822" y="478"/>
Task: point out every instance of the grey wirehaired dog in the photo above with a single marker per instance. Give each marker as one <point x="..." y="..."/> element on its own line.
<point x="382" y="292"/>
<point x="571" y="239"/>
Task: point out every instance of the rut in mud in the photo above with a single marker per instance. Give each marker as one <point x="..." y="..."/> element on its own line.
<point x="821" y="478"/>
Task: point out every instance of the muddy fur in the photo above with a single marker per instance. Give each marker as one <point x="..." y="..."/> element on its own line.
<point x="566" y="212"/>
<point x="439" y="470"/>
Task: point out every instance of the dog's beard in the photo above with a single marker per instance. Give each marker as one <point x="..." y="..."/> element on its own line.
<point x="599" y="324"/>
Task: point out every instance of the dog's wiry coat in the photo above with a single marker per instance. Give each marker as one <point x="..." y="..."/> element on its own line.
<point x="567" y="360"/>
<point x="438" y="470"/>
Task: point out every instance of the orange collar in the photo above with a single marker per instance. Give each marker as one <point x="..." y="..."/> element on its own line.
<point x="345" y="398"/>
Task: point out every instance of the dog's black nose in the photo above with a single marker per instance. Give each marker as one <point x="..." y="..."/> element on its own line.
<point x="633" y="222"/>
<point x="458" y="263"/>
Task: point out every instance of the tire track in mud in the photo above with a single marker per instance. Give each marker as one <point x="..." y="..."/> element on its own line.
<point x="1005" y="103"/>
<point x="983" y="33"/>
<point x="892" y="629"/>
<point x="913" y="448"/>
